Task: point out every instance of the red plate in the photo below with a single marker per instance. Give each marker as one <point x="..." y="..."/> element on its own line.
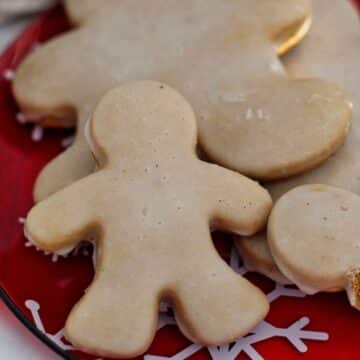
<point x="41" y="292"/>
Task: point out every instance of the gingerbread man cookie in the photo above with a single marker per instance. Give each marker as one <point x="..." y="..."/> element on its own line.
<point x="314" y="237"/>
<point x="331" y="50"/>
<point x="222" y="55"/>
<point x="150" y="206"/>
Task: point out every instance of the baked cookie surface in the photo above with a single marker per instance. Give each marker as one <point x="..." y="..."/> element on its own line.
<point x="221" y="55"/>
<point x="313" y="234"/>
<point x="331" y="50"/>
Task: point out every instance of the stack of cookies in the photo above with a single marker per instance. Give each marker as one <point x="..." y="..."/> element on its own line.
<point x="149" y="86"/>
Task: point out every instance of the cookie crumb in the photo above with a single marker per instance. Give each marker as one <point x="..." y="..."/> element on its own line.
<point x="37" y="133"/>
<point x="249" y="114"/>
<point x="260" y="114"/>
<point x="68" y="141"/>
<point x="21" y="118"/>
<point x="9" y="75"/>
<point x="316" y="98"/>
<point x="353" y="287"/>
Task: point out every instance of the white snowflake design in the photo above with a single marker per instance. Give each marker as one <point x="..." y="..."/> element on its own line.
<point x="57" y="338"/>
<point x="294" y="333"/>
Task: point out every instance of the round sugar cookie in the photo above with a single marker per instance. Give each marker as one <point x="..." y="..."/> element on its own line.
<point x="256" y="256"/>
<point x="331" y="50"/>
<point x="314" y="237"/>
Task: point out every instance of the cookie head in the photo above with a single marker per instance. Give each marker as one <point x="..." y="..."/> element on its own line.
<point x="275" y="15"/>
<point x="143" y="117"/>
<point x="314" y="234"/>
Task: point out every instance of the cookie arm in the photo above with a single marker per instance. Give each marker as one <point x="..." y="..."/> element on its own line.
<point x="73" y="164"/>
<point x="239" y="204"/>
<point x="60" y="222"/>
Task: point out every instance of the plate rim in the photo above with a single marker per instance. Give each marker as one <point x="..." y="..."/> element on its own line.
<point x="6" y="298"/>
<point x="22" y="318"/>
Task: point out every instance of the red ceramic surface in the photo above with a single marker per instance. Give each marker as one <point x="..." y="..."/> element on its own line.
<point x="32" y="281"/>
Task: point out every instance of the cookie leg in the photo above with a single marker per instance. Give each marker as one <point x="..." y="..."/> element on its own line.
<point x="113" y="319"/>
<point x="73" y="164"/>
<point x="216" y="306"/>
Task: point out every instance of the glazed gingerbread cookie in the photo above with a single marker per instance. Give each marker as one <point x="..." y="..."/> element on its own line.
<point x="314" y="237"/>
<point x="334" y="40"/>
<point x="150" y="206"/>
<point x="222" y="55"/>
